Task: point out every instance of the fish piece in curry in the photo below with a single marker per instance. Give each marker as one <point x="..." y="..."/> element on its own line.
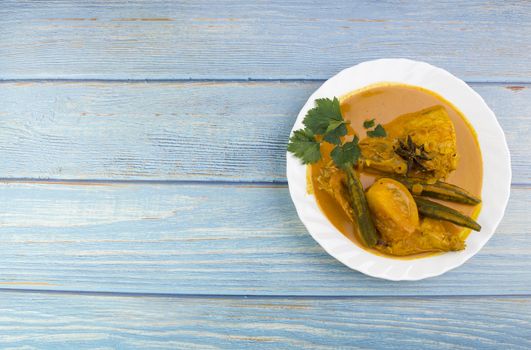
<point x="422" y="146"/>
<point x="431" y="128"/>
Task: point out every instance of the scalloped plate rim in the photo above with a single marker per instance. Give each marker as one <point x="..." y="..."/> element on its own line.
<point x="496" y="184"/>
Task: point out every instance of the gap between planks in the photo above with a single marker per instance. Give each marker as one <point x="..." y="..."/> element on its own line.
<point x="257" y="296"/>
<point x="220" y="80"/>
<point x="106" y="182"/>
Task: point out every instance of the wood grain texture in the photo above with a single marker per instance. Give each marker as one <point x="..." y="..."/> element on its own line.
<point x="88" y="322"/>
<point x="211" y="239"/>
<point x="477" y="40"/>
<point x="187" y="239"/>
<point x="181" y="131"/>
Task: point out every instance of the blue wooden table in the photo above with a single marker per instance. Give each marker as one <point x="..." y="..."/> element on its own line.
<point x="144" y="202"/>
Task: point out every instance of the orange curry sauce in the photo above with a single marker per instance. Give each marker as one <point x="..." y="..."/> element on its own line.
<point x="385" y="102"/>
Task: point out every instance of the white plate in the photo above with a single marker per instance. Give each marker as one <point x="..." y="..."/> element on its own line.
<point x="496" y="169"/>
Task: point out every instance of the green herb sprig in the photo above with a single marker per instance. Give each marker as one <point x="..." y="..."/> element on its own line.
<point x="324" y="123"/>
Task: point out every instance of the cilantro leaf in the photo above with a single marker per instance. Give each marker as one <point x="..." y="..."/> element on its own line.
<point x="378" y="131"/>
<point x="369" y="123"/>
<point x="326" y="119"/>
<point x="347" y="154"/>
<point x="304" y="146"/>
<point x="335" y="131"/>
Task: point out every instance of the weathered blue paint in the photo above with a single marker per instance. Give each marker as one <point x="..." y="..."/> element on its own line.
<point x="207" y="223"/>
<point x="204" y="239"/>
<point x="51" y="321"/>
<point x="180" y="131"/>
<point x="477" y="40"/>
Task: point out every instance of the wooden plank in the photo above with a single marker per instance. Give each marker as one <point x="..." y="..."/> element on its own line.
<point x="272" y="39"/>
<point x="110" y="322"/>
<point x="213" y="239"/>
<point x="181" y="131"/>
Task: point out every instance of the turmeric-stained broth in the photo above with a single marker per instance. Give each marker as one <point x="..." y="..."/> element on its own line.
<point x="385" y="102"/>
